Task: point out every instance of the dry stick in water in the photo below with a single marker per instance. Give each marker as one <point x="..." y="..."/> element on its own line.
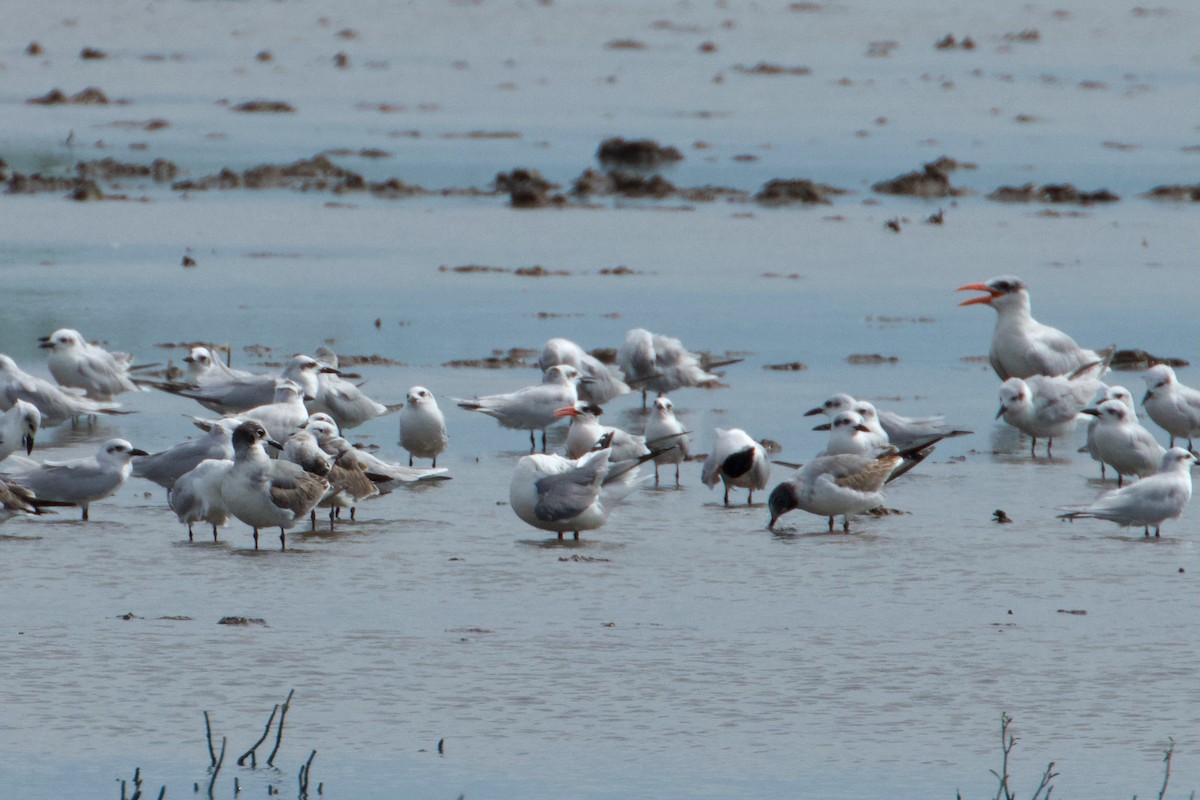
<point x="279" y="731"/>
<point x="212" y="754"/>
<point x="217" y="767"/>
<point x="1170" y="751"/>
<point x="241" y="762"/>
<point x="305" y="772"/>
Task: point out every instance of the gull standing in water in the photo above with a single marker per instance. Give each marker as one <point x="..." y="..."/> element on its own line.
<point x="283" y="416"/>
<point x="736" y="460"/>
<point x="81" y="481"/>
<point x="422" y="426"/>
<point x="1122" y="443"/>
<point x="662" y="427"/>
<point x="1021" y="346"/>
<point x="606" y="381"/>
<point x="233" y="394"/>
<point x="18" y="428"/>
<point x="1111" y="393"/>
<point x="78" y="364"/>
<point x="264" y="492"/>
<point x="1151" y="501"/>
<point x="1174" y="407"/>
<point x="1047" y="406"/>
<point x="196" y="495"/>
<point x="533" y="407"/>
<point x="55" y="405"/>
<point x="662" y="364"/>
<point x="843" y="484"/>
<point x="341" y="399"/>
<point x="561" y="494"/>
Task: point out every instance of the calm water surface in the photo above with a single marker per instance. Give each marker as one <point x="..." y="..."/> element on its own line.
<point x="682" y="651"/>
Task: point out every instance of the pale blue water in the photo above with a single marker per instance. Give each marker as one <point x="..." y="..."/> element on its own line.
<point x="704" y="657"/>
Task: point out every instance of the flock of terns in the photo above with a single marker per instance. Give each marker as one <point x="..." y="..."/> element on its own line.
<point x="1049" y="384"/>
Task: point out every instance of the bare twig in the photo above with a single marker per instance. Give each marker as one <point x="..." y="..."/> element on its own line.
<point x="279" y="731"/>
<point x="1170" y="751"/>
<point x="1047" y="777"/>
<point x="212" y="754"/>
<point x="1007" y="742"/>
<point x="305" y="773"/>
<point x="216" y="770"/>
<point x="241" y="762"/>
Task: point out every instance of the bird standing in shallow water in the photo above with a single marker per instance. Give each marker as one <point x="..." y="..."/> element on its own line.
<point x="1151" y="501"/>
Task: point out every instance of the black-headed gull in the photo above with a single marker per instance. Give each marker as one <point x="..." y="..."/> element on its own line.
<point x="264" y="492"/>
<point x="80" y="481"/>
<point x="1151" y="501"/>
<point x="1021" y="346"/>
<point x="422" y="426"/>
<point x="738" y="461"/>
<point x="1174" y="407"/>
<point x="843" y="484"/>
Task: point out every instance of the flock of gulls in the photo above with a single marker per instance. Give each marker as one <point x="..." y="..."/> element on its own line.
<point x="273" y="451"/>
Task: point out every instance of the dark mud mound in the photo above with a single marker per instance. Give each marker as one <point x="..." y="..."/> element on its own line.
<point x="783" y="191"/>
<point x="933" y="180"/>
<point x="1051" y="193"/>
<point x="1178" y="192"/>
<point x="637" y="153"/>
<point x="526" y="188"/>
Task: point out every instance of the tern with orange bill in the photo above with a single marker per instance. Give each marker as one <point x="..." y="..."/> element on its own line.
<point x="1022" y="346"/>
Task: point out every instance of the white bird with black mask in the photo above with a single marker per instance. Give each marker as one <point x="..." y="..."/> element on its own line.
<point x="586" y="431"/>
<point x="663" y="427"/>
<point x="81" y="481"/>
<point x="283" y="416"/>
<point x="1046" y="407"/>
<point x="896" y="429"/>
<point x="1122" y="443"/>
<point x="231" y="395"/>
<point x="1121" y="394"/>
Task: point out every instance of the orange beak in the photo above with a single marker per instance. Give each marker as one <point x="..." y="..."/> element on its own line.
<point x="978" y="287"/>
<point x="569" y="411"/>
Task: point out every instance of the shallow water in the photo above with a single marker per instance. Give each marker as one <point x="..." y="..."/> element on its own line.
<point x="686" y="651"/>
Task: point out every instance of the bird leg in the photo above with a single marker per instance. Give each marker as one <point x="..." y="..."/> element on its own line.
<point x="560" y="533"/>
<point x="331" y="516"/>
<point x="1156" y="532"/>
<point x="282" y="539"/>
<point x="312" y="518"/>
<point x="831" y="524"/>
<point x="1049" y="446"/>
<point x="726" y="495"/>
<point x="1033" y="448"/>
<point x="434" y="462"/>
<point x="189" y="531"/>
<point x="677" y="475"/>
<point x="410" y="459"/>
<point x="643" y="399"/>
<point x="214" y="534"/>
<point x="750" y="497"/>
<point x="352" y="510"/>
<point x="532" y="442"/>
<point x="85" y="513"/>
<point x="577" y="535"/>
<point x="656" y="474"/>
<point x="1119" y="483"/>
<point x="845" y="523"/>
<point x="543" y="440"/>
<point x="256" y="538"/>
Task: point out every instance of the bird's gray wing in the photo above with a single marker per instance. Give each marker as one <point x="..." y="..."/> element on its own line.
<point x="569" y="494"/>
<point x="294" y="489"/>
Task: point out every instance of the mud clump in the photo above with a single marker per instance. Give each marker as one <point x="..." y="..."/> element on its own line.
<point x="765" y="68"/>
<point x="90" y="96"/>
<point x="241" y="621"/>
<point x="527" y="188"/>
<point x="92" y="54"/>
<point x="782" y="191"/>
<point x="1051" y="193"/>
<point x="499" y="359"/>
<point x="638" y="153"/>
<point x="264" y="107"/>
<point x="1178" y="192"/>
<point x="109" y="169"/>
<point x="932" y="181"/>
<point x="631" y="184"/>
<point x="538" y="271"/>
<point x="307" y="174"/>
<point x="791" y="366"/>
<point x="871" y="358"/>
<point x="948" y="42"/>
